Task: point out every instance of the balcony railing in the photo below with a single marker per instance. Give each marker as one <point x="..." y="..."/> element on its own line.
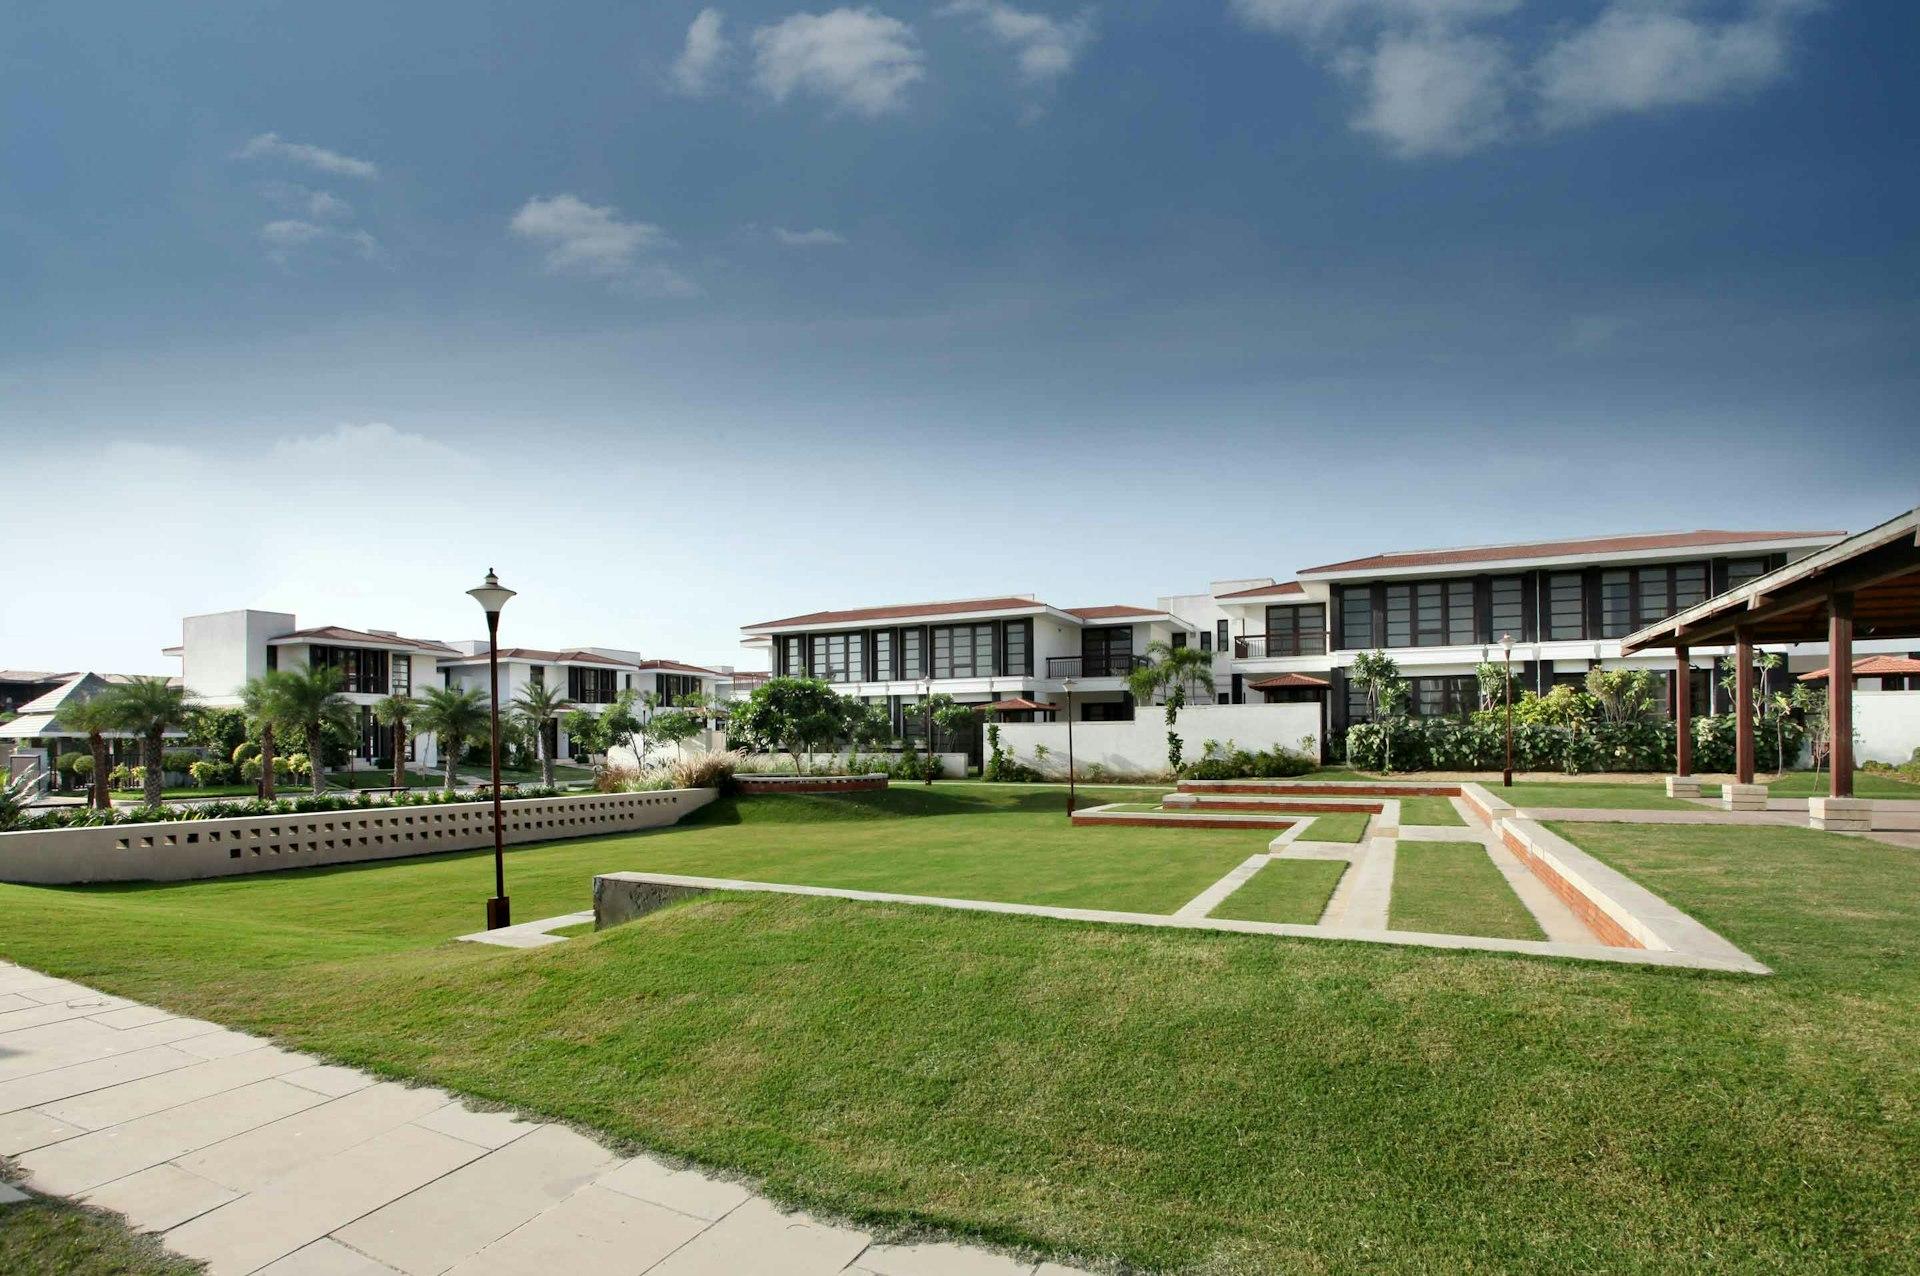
<point x="1260" y="646"/>
<point x="1114" y="666"/>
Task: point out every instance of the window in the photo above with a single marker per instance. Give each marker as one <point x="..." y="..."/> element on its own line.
<point x="1399" y="615"/>
<point x="1206" y="640"/>
<point x="1356" y="618"/>
<point x="401" y="682"/>
<point x="1460" y="627"/>
<point x="883" y="654"/>
<point x="1643" y="595"/>
<point x="1449" y="697"/>
<point x="591" y="686"/>
<point x="838" y="657"/>
<point x="537" y="675"/>
<point x="1297" y="631"/>
<point x="1358" y="709"/>
<point x="792" y="659"/>
<point x="963" y="651"/>
<point x="1107" y="653"/>
<point x="273" y="659"/>
<point x="1220" y="637"/>
<point x="1506" y="608"/>
<point x="1179" y="641"/>
<point x="1107" y="710"/>
<point x="1742" y="570"/>
<point x="362" y="669"/>
<point x="1566" y="607"/>
<point x="1616" y="604"/>
<point x="1019" y="644"/>
<point x="672" y="688"/>
<point x="912" y="659"/>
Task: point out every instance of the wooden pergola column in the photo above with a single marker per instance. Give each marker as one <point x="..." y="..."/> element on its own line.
<point x="1743" y="705"/>
<point x="1682" y="714"/>
<point x="1840" y="694"/>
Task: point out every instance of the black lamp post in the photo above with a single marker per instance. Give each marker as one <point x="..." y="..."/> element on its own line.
<point x="1066" y="684"/>
<point x="1506" y="646"/>
<point x="926" y="704"/>
<point x="492" y="596"/>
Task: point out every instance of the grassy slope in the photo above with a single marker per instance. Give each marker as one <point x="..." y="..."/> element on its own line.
<point x="1227" y="1103"/>
<point x="41" y="1237"/>
<point x="1429" y="810"/>
<point x="1285" y="891"/>
<point x="1453" y="888"/>
<point x="1337" y="827"/>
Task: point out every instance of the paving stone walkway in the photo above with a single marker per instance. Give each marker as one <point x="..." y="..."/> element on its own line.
<point x="257" y="1159"/>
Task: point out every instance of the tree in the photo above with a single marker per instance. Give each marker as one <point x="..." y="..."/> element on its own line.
<point x="1764" y="662"/>
<point x="1393" y="696"/>
<point x="1813" y="704"/>
<point x="593" y="733"/>
<point x="788" y="714"/>
<point x="536" y="706"/>
<point x="1171" y="672"/>
<point x="1375" y="671"/>
<point x="674" y="726"/>
<point x="309" y="702"/>
<point x="147" y="707"/>
<point x="93" y="718"/>
<point x="1624" y="695"/>
<point x="456" y="718"/>
<point x="1495" y="685"/>
<point x="261" y="700"/>
<point x="396" y="713"/>
<point x="219" y="731"/>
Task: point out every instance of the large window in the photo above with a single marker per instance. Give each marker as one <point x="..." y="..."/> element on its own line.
<point x="672" y="688"/>
<point x="1506" y="608"/>
<point x="1220" y="635"/>
<point x="839" y="657"/>
<point x="1742" y="570"/>
<point x="1566" y="607"/>
<point x="401" y="681"/>
<point x="1019" y="643"/>
<point x="1449" y="697"/>
<point x="1430" y="613"/>
<point x="592" y="686"/>
<point x="1356" y="618"/>
<point x="1631" y="598"/>
<point x="362" y="669"/>
<point x="963" y="651"/>
<point x="1297" y="631"/>
<point x="913" y="661"/>
<point x="792" y="657"/>
<point x="882" y="654"/>
<point x="1106" y="652"/>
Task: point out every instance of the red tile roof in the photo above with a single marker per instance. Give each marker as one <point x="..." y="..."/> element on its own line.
<point x="1872" y="667"/>
<point x="902" y="611"/>
<point x="1114" y="612"/>
<point x="674" y="666"/>
<point x="1553" y="549"/>
<point x="340" y="633"/>
<point x="1264" y="591"/>
<point x="1021" y="703"/>
<point x="1281" y="680"/>
<point x="553" y="657"/>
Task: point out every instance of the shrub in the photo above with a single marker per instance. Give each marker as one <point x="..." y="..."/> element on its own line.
<point x="244" y="752"/>
<point x="206" y="773"/>
<point x="178" y="761"/>
<point x="121" y="777"/>
<point x="1448" y="744"/>
<point x="293" y="765"/>
<point x="83" y="769"/>
<point x="252" y="768"/>
<point x="68" y="764"/>
<point x="707" y="770"/>
<point x="1227" y="762"/>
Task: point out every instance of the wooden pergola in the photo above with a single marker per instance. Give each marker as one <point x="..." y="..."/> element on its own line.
<point x="1867" y="585"/>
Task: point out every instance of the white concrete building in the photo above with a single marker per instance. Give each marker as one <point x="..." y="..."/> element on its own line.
<point x="220" y="652"/>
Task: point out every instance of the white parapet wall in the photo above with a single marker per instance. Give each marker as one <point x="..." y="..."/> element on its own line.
<point x="188" y="850"/>
<point x="1886" y="725"/>
<point x="1140" y="747"/>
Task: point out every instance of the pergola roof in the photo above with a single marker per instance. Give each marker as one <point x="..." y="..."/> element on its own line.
<point x="1879" y="567"/>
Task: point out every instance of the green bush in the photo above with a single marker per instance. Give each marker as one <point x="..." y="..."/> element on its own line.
<point x="121" y="777"/>
<point x="244" y="752"/>
<point x="251" y="769"/>
<point x="83" y="769"/>
<point x="1229" y="762"/>
<point x="1449" y="744"/>
<point x="179" y="761"/>
<point x="206" y="773"/>
<point x="82" y="817"/>
<point x="68" y="764"/>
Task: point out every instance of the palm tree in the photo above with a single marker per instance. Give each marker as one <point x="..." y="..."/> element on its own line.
<point x="455" y="717"/>
<point x="309" y="701"/>
<point x="147" y="707"/>
<point x="262" y="700"/>
<point x="536" y="706"/>
<point x="93" y="718"/>
<point x="397" y="712"/>
<point x="1172" y="670"/>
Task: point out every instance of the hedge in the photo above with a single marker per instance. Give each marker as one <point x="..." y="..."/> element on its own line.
<point x="1449" y="744"/>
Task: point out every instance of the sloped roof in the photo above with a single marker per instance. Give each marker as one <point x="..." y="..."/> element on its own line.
<point x="34" y="675"/>
<point x="572" y="656"/>
<point x="905" y="611"/>
<point x="1115" y="612"/>
<point x="360" y="637"/>
<point x="674" y="666"/>
<point x="1282" y="680"/>
<point x="1022" y="704"/>
<point x="1872" y="667"/>
<point x="1629" y="544"/>
<point x="79" y="687"/>
<point x="1267" y="591"/>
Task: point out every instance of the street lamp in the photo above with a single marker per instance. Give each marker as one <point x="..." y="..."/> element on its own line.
<point x="926" y="704"/>
<point x="492" y="596"/>
<point x="1066" y="685"/>
<point x="1506" y="646"/>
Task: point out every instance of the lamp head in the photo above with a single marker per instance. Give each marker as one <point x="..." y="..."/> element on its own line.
<point x="1067" y="683"/>
<point x="490" y="594"/>
<point x="1506" y="643"/>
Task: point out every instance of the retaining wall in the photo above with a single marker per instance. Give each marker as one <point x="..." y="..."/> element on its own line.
<point x="811" y="783"/>
<point x="188" y="850"/>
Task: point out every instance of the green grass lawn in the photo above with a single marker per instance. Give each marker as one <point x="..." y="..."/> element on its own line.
<point x="1453" y="888"/>
<point x="1342" y="826"/>
<point x="1284" y="891"/>
<point x="563" y="773"/>
<point x="384" y="780"/>
<point x="1429" y="810"/>
<point x="1549" y="793"/>
<point x="1800" y="784"/>
<point x="188" y="791"/>
<point x="43" y="1237"/>
<point x="1175" y="1099"/>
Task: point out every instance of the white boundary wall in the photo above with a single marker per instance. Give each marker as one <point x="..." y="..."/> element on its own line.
<point x="188" y="850"/>
<point x="1886" y="724"/>
<point x="1140" y="747"/>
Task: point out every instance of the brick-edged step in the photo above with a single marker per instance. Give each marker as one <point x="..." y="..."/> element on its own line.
<point x="1250" y="802"/>
<point x="1179" y="819"/>
<point x="1320" y="788"/>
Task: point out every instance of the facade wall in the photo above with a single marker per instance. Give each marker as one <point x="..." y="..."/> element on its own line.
<point x="1139" y="747"/>
<point x="222" y="651"/>
<point x="1886" y="725"/>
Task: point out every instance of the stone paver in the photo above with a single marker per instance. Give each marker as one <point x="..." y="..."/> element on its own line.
<point x="529" y="934"/>
<point x="260" y="1160"/>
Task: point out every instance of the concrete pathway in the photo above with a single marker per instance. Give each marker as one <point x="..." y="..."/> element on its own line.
<point x="530" y="934"/>
<point x="257" y="1159"/>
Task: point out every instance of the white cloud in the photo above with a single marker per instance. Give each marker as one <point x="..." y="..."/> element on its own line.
<point x="285" y="236"/>
<point x="1316" y="19"/>
<point x="319" y="158"/>
<point x="818" y="237"/>
<point x="595" y="240"/>
<point x="314" y="205"/>
<point x="1639" y="57"/>
<point x="700" y="57"/>
<point x="859" y="60"/>
<point x="1432" y="93"/>
<point x="1045" y="48"/>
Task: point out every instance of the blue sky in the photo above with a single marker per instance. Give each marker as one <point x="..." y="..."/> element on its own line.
<point x="689" y="316"/>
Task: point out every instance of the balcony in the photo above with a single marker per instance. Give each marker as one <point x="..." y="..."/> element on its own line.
<point x="1260" y="646"/>
<point x="1114" y="666"/>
